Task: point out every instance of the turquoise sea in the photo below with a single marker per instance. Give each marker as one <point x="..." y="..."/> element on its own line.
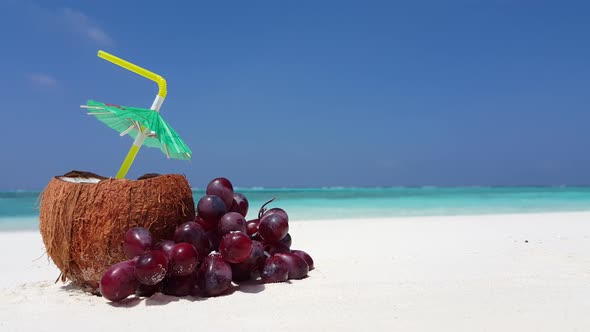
<point x="18" y="210"/>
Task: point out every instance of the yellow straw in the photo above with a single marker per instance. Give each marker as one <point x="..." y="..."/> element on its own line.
<point x="138" y="70"/>
<point x="127" y="162"/>
<point x="162" y="91"/>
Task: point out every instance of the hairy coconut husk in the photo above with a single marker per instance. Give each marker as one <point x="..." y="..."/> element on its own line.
<point x="83" y="224"/>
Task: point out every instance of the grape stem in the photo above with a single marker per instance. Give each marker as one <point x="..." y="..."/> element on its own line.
<point x="263" y="208"/>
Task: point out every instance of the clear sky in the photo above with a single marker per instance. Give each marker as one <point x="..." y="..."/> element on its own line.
<point x="305" y="93"/>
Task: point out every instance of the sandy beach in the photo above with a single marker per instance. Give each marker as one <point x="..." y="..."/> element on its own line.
<point x="528" y="272"/>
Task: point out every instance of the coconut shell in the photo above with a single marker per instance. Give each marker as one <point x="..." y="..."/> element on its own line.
<point x="83" y="224"/>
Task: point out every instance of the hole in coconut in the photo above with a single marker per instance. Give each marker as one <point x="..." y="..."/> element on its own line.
<point x="81" y="177"/>
<point x="148" y="176"/>
<point x="80" y="180"/>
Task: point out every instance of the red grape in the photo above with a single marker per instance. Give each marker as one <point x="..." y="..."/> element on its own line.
<point x="305" y="256"/>
<point x="275" y="270"/>
<point x="137" y="241"/>
<point x="193" y="233"/>
<point x="183" y="259"/>
<point x="211" y="208"/>
<point x="252" y="226"/>
<point x="273" y="227"/>
<point x="231" y="221"/>
<point x="164" y="246"/>
<point x="298" y="268"/>
<point x="222" y="188"/>
<point x="214" y="276"/>
<point x="151" y="267"/>
<point x="119" y="281"/>
<point x="235" y="247"/>
<point x="240" y="204"/>
<point x="180" y="285"/>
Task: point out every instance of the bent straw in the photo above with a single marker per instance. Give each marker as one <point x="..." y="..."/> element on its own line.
<point x="162" y="91"/>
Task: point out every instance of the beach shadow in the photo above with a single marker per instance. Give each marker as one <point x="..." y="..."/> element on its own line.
<point x="232" y="289"/>
<point x="71" y="288"/>
<point x="250" y="287"/>
<point x="157" y="299"/>
<point x="161" y="299"/>
<point x="199" y="297"/>
<point x="195" y="298"/>
<point x="129" y="302"/>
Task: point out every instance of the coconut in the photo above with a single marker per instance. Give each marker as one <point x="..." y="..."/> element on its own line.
<point x="84" y="216"/>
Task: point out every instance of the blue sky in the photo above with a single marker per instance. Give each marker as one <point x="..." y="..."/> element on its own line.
<point x="305" y="93"/>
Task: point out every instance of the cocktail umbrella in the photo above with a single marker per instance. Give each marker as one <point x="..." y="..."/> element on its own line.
<point x="146" y="126"/>
<point x="130" y="121"/>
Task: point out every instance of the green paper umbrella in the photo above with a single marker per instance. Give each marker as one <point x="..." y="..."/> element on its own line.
<point x="133" y="120"/>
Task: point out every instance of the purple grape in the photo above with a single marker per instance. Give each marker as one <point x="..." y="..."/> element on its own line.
<point x="180" y="285"/>
<point x="206" y="226"/>
<point x="137" y="241"/>
<point x="305" y="257"/>
<point x="193" y="233"/>
<point x="118" y="282"/>
<point x="286" y="241"/>
<point x="275" y="270"/>
<point x="277" y="211"/>
<point x="151" y="267"/>
<point x="214" y="239"/>
<point x="164" y="246"/>
<point x="240" y="204"/>
<point x="235" y="247"/>
<point x="183" y="259"/>
<point x="273" y="227"/>
<point x="252" y="226"/>
<point x="148" y="290"/>
<point x="298" y="268"/>
<point x="277" y="248"/>
<point x="238" y="274"/>
<point x="280" y="247"/>
<point x="256" y="237"/>
<point x="255" y="260"/>
<point x="222" y="188"/>
<point x="210" y="209"/>
<point x="231" y="221"/>
<point x="214" y="276"/>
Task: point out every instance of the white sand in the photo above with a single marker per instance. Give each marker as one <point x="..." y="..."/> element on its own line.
<point x="412" y="274"/>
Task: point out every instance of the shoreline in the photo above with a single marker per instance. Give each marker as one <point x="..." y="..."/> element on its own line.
<point x="447" y="273"/>
<point x="389" y="218"/>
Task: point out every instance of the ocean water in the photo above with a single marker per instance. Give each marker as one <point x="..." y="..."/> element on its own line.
<point x="19" y="210"/>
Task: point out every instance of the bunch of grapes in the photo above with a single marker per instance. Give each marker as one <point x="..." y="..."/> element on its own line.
<point x="206" y="255"/>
